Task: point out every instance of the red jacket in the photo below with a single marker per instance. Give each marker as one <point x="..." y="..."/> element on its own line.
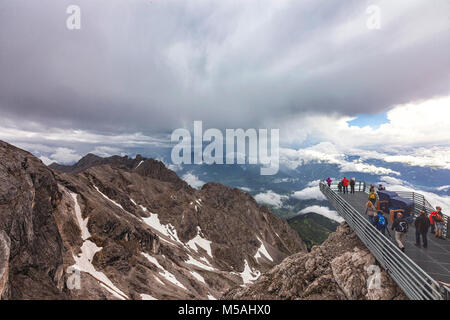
<point x="345" y="182"/>
<point x="434" y="216"/>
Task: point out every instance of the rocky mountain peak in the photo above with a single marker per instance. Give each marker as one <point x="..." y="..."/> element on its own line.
<point x="131" y="228"/>
<point x="339" y="269"/>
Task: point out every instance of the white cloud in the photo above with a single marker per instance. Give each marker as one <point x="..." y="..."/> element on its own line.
<point x="105" y="151"/>
<point x="392" y="180"/>
<point x="271" y="198"/>
<point x="416" y="134"/>
<point x="443" y="188"/>
<point x="309" y="194"/>
<point x="174" y="167"/>
<point x="38" y="135"/>
<point x="193" y="180"/>
<point x="61" y="156"/>
<point x="314" y="183"/>
<point x="46" y="161"/>
<point x="323" y="211"/>
<point x="327" y="152"/>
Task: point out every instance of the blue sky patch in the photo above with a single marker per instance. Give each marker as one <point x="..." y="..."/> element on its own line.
<point x="374" y="121"/>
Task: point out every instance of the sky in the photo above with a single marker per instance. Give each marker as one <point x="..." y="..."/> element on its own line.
<point x="138" y="69"/>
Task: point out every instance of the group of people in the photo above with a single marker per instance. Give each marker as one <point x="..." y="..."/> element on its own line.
<point x="344" y="184"/>
<point x="400" y="225"/>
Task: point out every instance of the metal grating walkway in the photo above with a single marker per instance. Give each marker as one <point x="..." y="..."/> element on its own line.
<point x="423" y="274"/>
<point x="435" y="260"/>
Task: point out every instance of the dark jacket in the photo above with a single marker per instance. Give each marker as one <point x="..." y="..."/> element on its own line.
<point x="422" y="223"/>
<point x="396" y="224"/>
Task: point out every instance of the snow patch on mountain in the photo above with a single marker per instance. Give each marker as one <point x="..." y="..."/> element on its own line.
<point x="249" y="275"/>
<point x="199" y="264"/>
<point x="198" y="276"/>
<point x="107" y="198"/>
<point x="168" y="230"/>
<point x="147" y="297"/>
<point x="199" y="241"/>
<point x="166" y="274"/>
<point x="262" y="252"/>
<point x="139" y="164"/>
<point x="83" y="262"/>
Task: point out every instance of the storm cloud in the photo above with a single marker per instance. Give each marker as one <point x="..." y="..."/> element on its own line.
<point x="152" y="66"/>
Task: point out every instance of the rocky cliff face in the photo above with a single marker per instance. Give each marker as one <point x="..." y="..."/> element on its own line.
<point x="339" y="269"/>
<point x="31" y="240"/>
<point x="121" y="228"/>
<point x="5" y="246"/>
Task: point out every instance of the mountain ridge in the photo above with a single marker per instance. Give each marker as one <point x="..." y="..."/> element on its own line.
<point x="134" y="230"/>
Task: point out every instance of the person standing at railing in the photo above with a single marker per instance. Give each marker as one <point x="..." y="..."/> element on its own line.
<point x="329" y="181"/>
<point x="400" y="226"/>
<point x="422" y="225"/>
<point x="438" y="219"/>
<point x="345" y="183"/>
<point x="352" y="185"/>
<point x="340" y="186"/>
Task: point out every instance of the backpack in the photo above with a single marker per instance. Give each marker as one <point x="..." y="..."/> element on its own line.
<point x="402" y="227"/>
<point x="381" y="222"/>
<point x="372" y="196"/>
<point x="432" y="216"/>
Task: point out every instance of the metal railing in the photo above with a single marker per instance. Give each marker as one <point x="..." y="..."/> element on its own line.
<point x="414" y="281"/>
<point x="421" y="203"/>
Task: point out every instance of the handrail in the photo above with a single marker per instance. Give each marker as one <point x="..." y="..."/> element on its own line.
<point x="413" y="280"/>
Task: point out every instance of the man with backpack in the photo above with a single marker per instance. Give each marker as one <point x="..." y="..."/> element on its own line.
<point x="422" y="225"/>
<point x="345" y="183"/>
<point x="380" y="222"/>
<point x="400" y="226"/>
<point x="373" y="197"/>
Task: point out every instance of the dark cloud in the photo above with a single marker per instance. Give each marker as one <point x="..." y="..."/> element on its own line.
<point x="151" y="66"/>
